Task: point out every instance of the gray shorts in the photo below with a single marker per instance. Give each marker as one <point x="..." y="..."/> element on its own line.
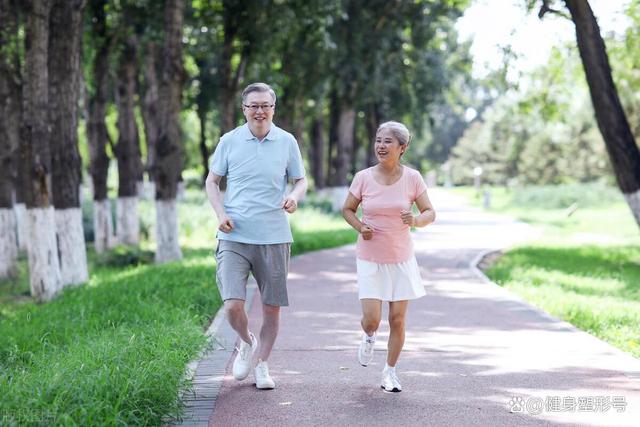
<point x="269" y="265"/>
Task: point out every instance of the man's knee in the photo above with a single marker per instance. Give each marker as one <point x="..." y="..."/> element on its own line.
<point x="234" y="308"/>
<point x="270" y="314"/>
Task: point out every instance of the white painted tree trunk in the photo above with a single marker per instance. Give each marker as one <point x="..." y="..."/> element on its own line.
<point x="8" y="244"/>
<point x="44" y="267"/>
<point x="21" y="225"/>
<point x="127" y="222"/>
<point x="181" y="190"/>
<point x="102" y="226"/>
<point x="167" y="232"/>
<point x="633" y="200"/>
<point x="71" y="246"/>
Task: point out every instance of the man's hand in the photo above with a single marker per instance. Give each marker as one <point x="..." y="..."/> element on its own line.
<point x="408" y="218"/>
<point x="366" y="231"/>
<point x="226" y="224"/>
<point x="290" y="204"/>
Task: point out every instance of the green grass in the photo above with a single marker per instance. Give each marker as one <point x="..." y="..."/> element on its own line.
<point x="585" y="267"/>
<point x="595" y="289"/>
<point x="114" y="351"/>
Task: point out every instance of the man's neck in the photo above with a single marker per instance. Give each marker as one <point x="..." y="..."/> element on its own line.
<point x="259" y="133"/>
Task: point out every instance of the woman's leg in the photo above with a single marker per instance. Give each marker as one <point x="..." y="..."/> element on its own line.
<point x="371" y="315"/>
<point x="397" y="312"/>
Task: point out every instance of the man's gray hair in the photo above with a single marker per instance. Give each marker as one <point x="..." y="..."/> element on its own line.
<point x="398" y="130"/>
<point x="258" y="87"/>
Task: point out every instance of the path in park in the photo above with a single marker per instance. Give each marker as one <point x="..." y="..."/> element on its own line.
<point x="473" y="350"/>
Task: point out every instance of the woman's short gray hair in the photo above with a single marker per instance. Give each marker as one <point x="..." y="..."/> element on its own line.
<point x="258" y="87"/>
<point x="398" y="130"/>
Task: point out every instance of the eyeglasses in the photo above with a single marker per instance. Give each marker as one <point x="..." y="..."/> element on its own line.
<point x="255" y="108"/>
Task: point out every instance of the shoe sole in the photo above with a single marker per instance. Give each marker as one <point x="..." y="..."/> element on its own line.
<point x="365" y="364"/>
<point x="265" y="388"/>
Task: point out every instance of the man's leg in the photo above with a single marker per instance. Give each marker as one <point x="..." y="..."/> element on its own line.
<point x="269" y="331"/>
<point x="270" y="268"/>
<point x="237" y="318"/>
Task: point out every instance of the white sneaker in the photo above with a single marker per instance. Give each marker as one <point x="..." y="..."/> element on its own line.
<point x="242" y="364"/>
<point x="365" y="351"/>
<point x="390" y="382"/>
<point x="263" y="379"/>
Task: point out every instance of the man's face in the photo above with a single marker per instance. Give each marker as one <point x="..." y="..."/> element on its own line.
<point x="258" y="118"/>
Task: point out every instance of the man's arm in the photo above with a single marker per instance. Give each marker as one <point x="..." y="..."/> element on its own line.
<point x="299" y="189"/>
<point x="212" y="185"/>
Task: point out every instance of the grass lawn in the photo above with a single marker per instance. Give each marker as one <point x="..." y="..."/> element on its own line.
<point x="114" y="351"/>
<point x="585" y="268"/>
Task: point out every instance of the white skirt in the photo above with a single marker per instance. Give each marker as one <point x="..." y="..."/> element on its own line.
<point x="389" y="282"/>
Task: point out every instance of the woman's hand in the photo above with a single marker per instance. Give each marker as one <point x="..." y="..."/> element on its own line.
<point x="408" y="218"/>
<point x="366" y="231"/>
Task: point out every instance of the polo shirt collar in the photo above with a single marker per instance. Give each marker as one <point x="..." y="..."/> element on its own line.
<point x="271" y="136"/>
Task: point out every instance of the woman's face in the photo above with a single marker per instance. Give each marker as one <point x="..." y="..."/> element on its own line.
<point x="387" y="147"/>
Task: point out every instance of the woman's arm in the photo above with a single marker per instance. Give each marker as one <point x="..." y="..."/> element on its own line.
<point x="349" y="213"/>
<point x="427" y="213"/>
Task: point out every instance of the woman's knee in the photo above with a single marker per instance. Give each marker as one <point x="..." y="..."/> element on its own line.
<point x="396" y="321"/>
<point x="370" y="322"/>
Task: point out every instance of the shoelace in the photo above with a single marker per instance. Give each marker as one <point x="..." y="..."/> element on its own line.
<point x="394" y="379"/>
<point x="263" y="369"/>
<point x="243" y="351"/>
<point x="368" y="347"/>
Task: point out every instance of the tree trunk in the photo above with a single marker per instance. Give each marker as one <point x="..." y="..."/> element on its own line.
<point x="44" y="267"/>
<point x="102" y="225"/>
<point x="372" y="122"/>
<point x="227" y="89"/>
<point x="612" y="122"/>
<point x="97" y="135"/>
<point x="127" y="150"/>
<point x="204" y="151"/>
<point x="346" y="125"/>
<point x="169" y="148"/>
<point x="298" y="124"/>
<point x="318" y="144"/>
<point x="149" y="106"/>
<point x="229" y="80"/>
<point x="334" y="116"/>
<point x="64" y="80"/>
<point x="9" y="139"/>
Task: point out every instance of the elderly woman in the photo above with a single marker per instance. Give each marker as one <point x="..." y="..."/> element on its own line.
<point x="386" y="264"/>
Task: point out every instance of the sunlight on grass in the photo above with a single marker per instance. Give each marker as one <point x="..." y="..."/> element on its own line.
<point x="113" y="352"/>
<point x="585" y="267"/>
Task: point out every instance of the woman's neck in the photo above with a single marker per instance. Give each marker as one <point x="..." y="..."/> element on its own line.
<point x="389" y="168"/>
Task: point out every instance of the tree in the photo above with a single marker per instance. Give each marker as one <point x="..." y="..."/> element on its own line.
<point x="127" y="149"/>
<point x="169" y="157"/>
<point x="610" y="116"/>
<point x="44" y="267"/>
<point x="10" y="109"/>
<point x="65" y="40"/>
<point x="149" y="104"/>
<point x="97" y="134"/>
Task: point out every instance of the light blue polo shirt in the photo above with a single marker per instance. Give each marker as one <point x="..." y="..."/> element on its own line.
<point x="257" y="173"/>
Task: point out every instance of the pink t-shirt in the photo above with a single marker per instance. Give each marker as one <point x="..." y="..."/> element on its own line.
<point x="381" y="206"/>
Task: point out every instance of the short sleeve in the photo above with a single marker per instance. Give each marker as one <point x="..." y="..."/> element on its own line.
<point x="356" y="186"/>
<point x="220" y="159"/>
<point x="418" y="185"/>
<point x="295" y="167"/>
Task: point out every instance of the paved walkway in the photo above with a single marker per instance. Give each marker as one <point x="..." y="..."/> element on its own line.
<point x="473" y="351"/>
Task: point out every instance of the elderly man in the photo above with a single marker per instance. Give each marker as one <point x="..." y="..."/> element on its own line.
<point x="254" y="234"/>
